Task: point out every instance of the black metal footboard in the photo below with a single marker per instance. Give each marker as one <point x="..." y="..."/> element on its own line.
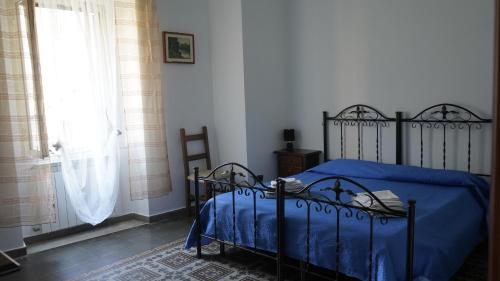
<point x="239" y="180"/>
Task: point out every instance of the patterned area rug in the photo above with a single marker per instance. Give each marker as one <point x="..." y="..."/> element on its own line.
<point x="172" y="262"/>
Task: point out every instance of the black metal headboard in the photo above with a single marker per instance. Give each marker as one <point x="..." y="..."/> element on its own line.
<point x="360" y="116"/>
<point x="441" y="116"/>
<point x="446" y="116"/>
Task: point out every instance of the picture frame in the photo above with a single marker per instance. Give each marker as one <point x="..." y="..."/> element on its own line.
<point x="178" y="47"/>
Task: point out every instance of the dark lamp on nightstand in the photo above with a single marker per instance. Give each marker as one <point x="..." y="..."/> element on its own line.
<point x="289" y="137"/>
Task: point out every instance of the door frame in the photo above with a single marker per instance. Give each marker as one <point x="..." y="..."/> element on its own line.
<point x="494" y="244"/>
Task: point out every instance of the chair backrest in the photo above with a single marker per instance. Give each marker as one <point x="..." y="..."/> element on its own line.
<point x="186" y="157"/>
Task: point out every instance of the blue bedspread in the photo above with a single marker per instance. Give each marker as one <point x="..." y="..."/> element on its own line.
<point x="450" y="221"/>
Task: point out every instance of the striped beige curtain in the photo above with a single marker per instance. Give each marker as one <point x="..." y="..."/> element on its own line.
<point x="139" y="48"/>
<point x="26" y="191"/>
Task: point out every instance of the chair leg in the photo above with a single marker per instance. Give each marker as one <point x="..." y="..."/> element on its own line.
<point x="188" y="198"/>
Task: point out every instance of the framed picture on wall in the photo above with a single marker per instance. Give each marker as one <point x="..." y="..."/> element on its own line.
<point x="178" y="47"/>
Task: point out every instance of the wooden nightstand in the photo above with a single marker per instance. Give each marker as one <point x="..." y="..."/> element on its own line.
<point x="296" y="161"/>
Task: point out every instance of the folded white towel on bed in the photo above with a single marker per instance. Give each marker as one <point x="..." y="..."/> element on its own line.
<point x="387" y="197"/>
<point x="291" y="185"/>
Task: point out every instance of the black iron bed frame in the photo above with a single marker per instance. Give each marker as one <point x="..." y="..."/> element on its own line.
<point x="242" y="181"/>
<point x="441" y="116"/>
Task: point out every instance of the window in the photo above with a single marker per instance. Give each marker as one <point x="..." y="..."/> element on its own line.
<point x="77" y="63"/>
<point x="65" y="65"/>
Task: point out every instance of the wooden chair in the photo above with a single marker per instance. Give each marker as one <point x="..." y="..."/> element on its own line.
<point x="189" y="177"/>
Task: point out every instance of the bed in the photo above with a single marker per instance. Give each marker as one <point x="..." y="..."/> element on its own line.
<point x="322" y="227"/>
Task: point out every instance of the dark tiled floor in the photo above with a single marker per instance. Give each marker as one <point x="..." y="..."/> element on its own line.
<point x="70" y="261"/>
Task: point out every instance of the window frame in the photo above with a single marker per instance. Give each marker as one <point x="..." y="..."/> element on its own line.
<point x="40" y="145"/>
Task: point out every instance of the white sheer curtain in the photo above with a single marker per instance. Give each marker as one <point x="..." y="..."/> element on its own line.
<point x="76" y="40"/>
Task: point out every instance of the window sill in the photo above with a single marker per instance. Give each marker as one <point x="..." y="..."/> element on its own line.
<point x="54" y="161"/>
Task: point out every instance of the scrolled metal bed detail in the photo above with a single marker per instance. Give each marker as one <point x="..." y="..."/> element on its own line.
<point x="446" y="116"/>
<point x="358" y="116"/>
<point x="442" y="116"/>
<point x="252" y="185"/>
